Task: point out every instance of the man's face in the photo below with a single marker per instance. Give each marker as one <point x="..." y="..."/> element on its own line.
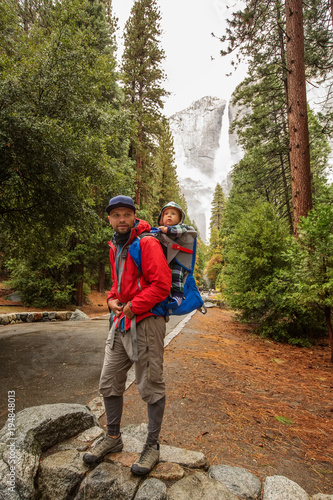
<point x="122" y="219"/>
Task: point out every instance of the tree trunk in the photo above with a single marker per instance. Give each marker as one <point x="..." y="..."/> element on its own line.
<point x="79" y="268"/>
<point x="138" y="180"/>
<point x="329" y="328"/>
<point x="101" y="277"/>
<point x="297" y="114"/>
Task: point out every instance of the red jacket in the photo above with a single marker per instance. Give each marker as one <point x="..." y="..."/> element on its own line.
<point x="145" y="289"/>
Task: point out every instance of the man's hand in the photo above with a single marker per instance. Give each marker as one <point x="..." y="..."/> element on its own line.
<point x="128" y="311"/>
<point x="115" y="306"/>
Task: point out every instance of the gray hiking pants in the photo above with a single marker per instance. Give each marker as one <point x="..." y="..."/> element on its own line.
<point x="148" y="372"/>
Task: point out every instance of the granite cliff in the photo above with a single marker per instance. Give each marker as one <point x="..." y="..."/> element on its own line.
<point x="204" y="154"/>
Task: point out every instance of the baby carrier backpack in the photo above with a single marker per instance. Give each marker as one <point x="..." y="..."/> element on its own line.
<point x="183" y="251"/>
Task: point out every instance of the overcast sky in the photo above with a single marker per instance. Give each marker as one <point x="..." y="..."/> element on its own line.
<point x="193" y="65"/>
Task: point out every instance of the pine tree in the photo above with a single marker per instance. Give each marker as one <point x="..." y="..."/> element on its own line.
<point x="168" y="184"/>
<point x="297" y="113"/>
<point x="143" y="76"/>
<point x="217" y="209"/>
<point x="259" y="34"/>
<point x="215" y="263"/>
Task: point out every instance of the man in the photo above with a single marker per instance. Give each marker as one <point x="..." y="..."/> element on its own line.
<point x="136" y="335"/>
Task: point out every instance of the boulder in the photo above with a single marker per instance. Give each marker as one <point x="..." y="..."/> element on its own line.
<point x="281" y="488"/>
<point x="60" y="474"/>
<point x="135" y="436"/>
<point x="78" y="316"/>
<point x="151" y="489"/>
<point x="199" y="486"/>
<point x="37" y="429"/>
<point x="238" y="480"/>
<point x="108" y="480"/>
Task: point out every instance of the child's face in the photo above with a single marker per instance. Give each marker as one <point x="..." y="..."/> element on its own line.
<point x="171" y="216"/>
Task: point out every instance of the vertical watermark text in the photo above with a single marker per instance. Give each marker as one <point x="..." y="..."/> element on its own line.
<point x="11" y="444"/>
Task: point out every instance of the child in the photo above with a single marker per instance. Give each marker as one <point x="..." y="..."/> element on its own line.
<point x="170" y="222"/>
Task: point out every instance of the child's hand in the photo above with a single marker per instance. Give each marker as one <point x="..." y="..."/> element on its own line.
<point x="164" y="229"/>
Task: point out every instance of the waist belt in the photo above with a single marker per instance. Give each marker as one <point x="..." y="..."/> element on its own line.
<point x="111" y="336"/>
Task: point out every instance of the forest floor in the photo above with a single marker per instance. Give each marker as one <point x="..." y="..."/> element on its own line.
<point x="247" y="402"/>
<point x="242" y="400"/>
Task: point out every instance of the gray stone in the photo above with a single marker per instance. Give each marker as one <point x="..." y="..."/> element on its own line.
<point x="199" y="487"/>
<point x="51" y="315"/>
<point x="91" y="434"/>
<point x="239" y="481"/>
<point x="4" y="319"/>
<point x="15" y="296"/>
<point x="108" y="480"/>
<point x="151" y="489"/>
<point x="281" y="488"/>
<point x="60" y="474"/>
<point x="78" y="316"/>
<point x="321" y="496"/>
<point x="8" y="490"/>
<point x="37" y="429"/>
<point x="134" y="437"/>
<point x="73" y="444"/>
<point x="30" y="317"/>
<point x="61" y="315"/>
<point x="96" y="405"/>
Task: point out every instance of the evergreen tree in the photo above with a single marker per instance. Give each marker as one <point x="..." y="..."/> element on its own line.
<point x="143" y="76"/>
<point x="215" y="263"/>
<point x="259" y="33"/>
<point x="297" y="113"/>
<point x="168" y="185"/>
<point x="217" y="208"/>
<point x="63" y="142"/>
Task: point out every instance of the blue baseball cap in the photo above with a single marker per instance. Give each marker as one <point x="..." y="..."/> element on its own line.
<point x="120" y="201"/>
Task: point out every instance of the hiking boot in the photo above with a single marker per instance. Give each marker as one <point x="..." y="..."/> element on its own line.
<point x="148" y="459"/>
<point x="104" y="445"/>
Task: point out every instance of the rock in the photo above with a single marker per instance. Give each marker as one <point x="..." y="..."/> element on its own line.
<point x="151" y="489"/>
<point x="82" y="441"/>
<point x="30" y="317"/>
<point x="188" y="458"/>
<point x="108" y="481"/>
<point x="78" y="316"/>
<point x="281" y="488"/>
<point x="196" y="132"/>
<point x="167" y="471"/>
<point x="37" y="429"/>
<point x="321" y="496"/>
<point x="91" y="434"/>
<point x="122" y="458"/>
<point x="199" y="487"/>
<point x="4" y="320"/>
<point x="60" y="474"/>
<point x="15" y="296"/>
<point x="134" y="438"/>
<point x="61" y="315"/>
<point x="96" y="405"/>
<point x="239" y="481"/>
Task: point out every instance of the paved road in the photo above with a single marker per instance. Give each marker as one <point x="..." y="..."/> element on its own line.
<point x="53" y="362"/>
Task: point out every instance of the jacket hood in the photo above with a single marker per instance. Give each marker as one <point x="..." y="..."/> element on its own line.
<point x="175" y="205"/>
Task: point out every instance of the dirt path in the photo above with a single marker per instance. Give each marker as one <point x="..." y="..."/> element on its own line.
<point x="247" y="402"/>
